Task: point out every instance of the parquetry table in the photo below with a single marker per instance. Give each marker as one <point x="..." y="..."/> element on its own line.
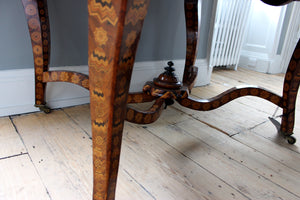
<point x="114" y="31"/>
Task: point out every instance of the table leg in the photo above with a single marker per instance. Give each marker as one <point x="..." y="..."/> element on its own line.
<point x="290" y="90"/>
<point x="38" y="23"/>
<point x="193" y="19"/>
<point x="114" y="32"/>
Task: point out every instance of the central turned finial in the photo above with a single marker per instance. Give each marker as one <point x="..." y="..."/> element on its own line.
<point x="168" y="79"/>
<point x="170" y="69"/>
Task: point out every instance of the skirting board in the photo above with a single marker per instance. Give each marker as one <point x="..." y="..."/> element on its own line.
<point x="269" y="66"/>
<point x="17" y="86"/>
<point x="259" y="62"/>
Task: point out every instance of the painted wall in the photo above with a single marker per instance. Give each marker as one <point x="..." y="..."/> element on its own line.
<point x="163" y="37"/>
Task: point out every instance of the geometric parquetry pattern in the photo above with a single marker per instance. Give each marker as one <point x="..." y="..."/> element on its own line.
<point x="119" y="23"/>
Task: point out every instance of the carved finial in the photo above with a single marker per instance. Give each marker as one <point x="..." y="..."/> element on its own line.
<point x="168" y="79"/>
<point x="170" y="69"/>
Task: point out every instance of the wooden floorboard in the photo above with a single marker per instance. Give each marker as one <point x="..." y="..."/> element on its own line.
<point x="20" y="180"/>
<point x="219" y="161"/>
<point x="60" y="151"/>
<point x="269" y="131"/>
<point x="267" y="147"/>
<point x="234" y="152"/>
<point x="10" y="142"/>
<point x="169" y="174"/>
<point x="267" y="167"/>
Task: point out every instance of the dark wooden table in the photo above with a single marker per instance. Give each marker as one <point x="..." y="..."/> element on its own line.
<point x="114" y="31"/>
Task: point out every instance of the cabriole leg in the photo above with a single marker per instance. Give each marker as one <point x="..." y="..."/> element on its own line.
<point x="38" y="23"/>
<point x="193" y="18"/>
<point x="114" y="32"/>
<point x="290" y="90"/>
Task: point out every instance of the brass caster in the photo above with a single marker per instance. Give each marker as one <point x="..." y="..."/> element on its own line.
<point x="290" y="139"/>
<point x="44" y="108"/>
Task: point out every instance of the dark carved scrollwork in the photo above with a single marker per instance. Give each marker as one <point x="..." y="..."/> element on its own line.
<point x="277" y="2"/>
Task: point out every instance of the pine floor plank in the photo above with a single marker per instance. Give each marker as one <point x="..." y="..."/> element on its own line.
<point x="240" y="177"/>
<point x="264" y="165"/>
<point x="10" y="142"/>
<point x="61" y="152"/>
<point x="77" y="113"/>
<point x="129" y="188"/>
<point x="20" y="181"/>
<point x="166" y="173"/>
<point x="273" y="82"/>
<point x="269" y="131"/>
<point x="271" y="149"/>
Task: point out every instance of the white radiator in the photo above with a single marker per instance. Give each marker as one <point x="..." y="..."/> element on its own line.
<point x="230" y="19"/>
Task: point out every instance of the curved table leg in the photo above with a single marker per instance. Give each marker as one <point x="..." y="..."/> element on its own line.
<point x="290" y="90"/>
<point x="193" y="18"/>
<point x="38" y="23"/>
<point x="114" y="32"/>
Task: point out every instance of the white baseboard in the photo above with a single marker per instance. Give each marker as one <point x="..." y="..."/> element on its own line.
<point x="17" y="86"/>
<point x="260" y="62"/>
<point x="254" y="61"/>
